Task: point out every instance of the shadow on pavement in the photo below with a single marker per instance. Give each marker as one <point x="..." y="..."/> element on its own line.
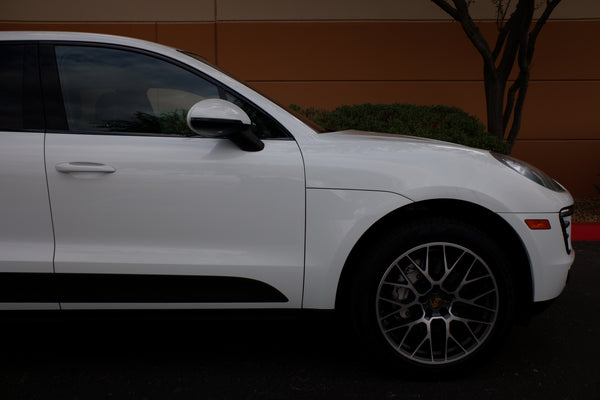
<point x="555" y="357"/>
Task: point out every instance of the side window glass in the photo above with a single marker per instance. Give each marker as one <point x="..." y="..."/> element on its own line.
<point x="113" y="90"/>
<point x="263" y="125"/>
<point x="20" y="98"/>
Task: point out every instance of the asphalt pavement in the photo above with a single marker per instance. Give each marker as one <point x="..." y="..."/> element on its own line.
<point x="555" y="357"/>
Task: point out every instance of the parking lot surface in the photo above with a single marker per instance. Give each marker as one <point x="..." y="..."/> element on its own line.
<point x="554" y="357"/>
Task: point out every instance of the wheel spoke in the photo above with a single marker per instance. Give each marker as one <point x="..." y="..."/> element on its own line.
<point x="403" y="325"/>
<point x="424" y="273"/>
<point x="472" y="333"/>
<point x="396" y="284"/>
<point x="431" y="347"/>
<point x="476" y="321"/>
<point x="458" y="343"/>
<point x="405" y="336"/>
<point x="405" y="276"/>
<point x="479" y="278"/>
<point x="445" y="262"/>
<point x="396" y="303"/>
<point x="464" y="280"/>
<point x="484" y="294"/>
<point x="448" y="270"/>
<point x="418" y="347"/>
<point x="439" y="337"/>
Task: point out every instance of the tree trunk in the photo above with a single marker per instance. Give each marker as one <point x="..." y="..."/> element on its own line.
<point x="494" y="96"/>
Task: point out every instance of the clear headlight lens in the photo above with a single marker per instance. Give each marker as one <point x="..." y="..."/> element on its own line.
<point x="529" y="172"/>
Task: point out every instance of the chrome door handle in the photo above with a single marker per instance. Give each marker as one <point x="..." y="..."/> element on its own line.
<point x="81" y="166"/>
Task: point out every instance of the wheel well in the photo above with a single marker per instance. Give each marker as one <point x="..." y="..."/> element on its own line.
<point x="471" y="213"/>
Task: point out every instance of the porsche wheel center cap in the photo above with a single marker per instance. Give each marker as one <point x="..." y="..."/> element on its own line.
<point x="435" y="302"/>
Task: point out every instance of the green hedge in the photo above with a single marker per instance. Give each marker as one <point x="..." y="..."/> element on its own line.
<point x="450" y="124"/>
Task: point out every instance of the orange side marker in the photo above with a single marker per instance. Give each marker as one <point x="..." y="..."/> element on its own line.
<point x="538" y="224"/>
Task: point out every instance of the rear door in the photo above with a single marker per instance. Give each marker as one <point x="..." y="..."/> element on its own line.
<point x="147" y="216"/>
<point x="26" y="240"/>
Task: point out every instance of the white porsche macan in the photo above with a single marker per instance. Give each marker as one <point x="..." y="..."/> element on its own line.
<point x="137" y="176"/>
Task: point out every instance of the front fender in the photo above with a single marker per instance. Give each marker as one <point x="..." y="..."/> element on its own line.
<point x="335" y="221"/>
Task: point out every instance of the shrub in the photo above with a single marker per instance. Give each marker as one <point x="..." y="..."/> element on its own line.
<point x="450" y="124"/>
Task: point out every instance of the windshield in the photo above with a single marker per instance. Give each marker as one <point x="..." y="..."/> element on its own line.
<point x="313" y="125"/>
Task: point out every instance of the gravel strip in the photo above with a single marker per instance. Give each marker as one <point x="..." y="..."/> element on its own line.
<point x="587" y="209"/>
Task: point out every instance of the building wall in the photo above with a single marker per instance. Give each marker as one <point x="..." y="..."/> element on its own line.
<point x="327" y="53"/>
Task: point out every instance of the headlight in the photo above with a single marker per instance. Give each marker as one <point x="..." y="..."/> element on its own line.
<point x="529" y="172"/>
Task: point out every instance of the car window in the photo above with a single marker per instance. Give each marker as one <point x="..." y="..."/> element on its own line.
<point x="116" y="90"/>
<point x="20" y="98"/>
<point x="113" y="90"/>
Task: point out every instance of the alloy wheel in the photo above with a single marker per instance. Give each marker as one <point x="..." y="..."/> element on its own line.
<point x="437" y="303"/>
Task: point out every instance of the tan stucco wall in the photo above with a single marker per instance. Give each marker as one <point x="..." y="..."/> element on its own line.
<point x="327" y="53"/>
<point x="255" y="10"/>
<point x="240" y="10"/>
<point x="107" y="10"/>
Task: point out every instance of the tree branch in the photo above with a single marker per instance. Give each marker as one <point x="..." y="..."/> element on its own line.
<point x="524" y="66"/>
<point x="520" y="21"/>
<point x="472" y="31"/>
<point x="505" y="11"/>
<point x="502" y="35"/>
<point x="444" y="5"/>
<point x="550" y="6"/>
<point x="510" y="103"/>
<point x="518" y="112"/>
<point x="522" y="83"/>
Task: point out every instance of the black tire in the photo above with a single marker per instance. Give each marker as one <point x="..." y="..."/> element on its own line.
<point x="435" y="295"/>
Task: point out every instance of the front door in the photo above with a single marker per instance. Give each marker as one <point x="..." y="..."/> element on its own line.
<point x="146" y="215"/>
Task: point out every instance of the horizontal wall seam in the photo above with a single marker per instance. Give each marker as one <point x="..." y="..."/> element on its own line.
<point x="287" y="21"/>
<point x="105" y="22"/>
<point x="274" y="21"/>
<point x="559" y="140"/>
<point x="409" y="80"/>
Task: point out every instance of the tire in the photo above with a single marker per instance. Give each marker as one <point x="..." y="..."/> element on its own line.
<point x="434" y="296"/>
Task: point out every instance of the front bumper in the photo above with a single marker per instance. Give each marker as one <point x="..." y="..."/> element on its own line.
<point x="550" y="251"/>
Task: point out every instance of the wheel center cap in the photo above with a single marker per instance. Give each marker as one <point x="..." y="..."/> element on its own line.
<point x="435" y="302"/>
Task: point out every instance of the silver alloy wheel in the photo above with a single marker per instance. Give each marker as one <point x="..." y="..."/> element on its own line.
<point x="437" y="303"/>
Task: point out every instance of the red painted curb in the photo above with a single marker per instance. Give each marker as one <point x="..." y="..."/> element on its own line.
<point x="585" y="232"/>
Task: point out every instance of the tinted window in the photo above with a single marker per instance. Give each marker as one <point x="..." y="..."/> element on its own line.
<point x="114" y="90"/>
<point x="111" y="90"/>
<point x="20" y="99"/>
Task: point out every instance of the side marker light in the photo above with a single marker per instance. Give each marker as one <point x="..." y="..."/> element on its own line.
<point x="538" y="224"/>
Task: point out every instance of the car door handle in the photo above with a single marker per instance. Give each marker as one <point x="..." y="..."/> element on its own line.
<point x="81" y="166"/>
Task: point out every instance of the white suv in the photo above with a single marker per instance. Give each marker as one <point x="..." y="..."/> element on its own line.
<point x="137" y="176"/>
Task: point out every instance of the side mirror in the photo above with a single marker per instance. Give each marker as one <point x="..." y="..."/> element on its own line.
<point x="219" y="118"/>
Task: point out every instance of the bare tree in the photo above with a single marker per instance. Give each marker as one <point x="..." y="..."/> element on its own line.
<point x="515" y="44"/>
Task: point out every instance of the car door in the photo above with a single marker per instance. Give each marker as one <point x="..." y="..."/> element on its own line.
<point x="26" y="241"/>
<point x="147" y="215"/>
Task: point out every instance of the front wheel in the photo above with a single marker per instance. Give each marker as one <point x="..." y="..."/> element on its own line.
<point x="435" y="295"/>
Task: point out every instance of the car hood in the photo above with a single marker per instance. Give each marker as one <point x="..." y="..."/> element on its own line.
<point x="389" y="137"/>
<point x="421" y="169"/>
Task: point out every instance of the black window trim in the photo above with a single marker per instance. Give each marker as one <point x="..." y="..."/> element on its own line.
<point x="52" y="90"/>
<point x="54" y="106"/>
<point x="34" y="121"/>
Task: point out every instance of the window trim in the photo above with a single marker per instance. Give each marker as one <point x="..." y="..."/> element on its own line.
<point x="33" y="114"/>
<point x="54" y="106"/>
<point x="52" y="89"/>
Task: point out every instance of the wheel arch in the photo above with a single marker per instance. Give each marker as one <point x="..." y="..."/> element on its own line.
<point x="470" y="213"/>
